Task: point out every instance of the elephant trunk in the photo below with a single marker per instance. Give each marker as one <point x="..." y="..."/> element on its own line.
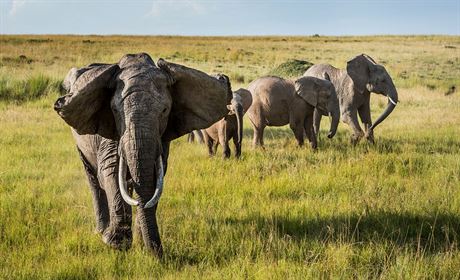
<point x="392" y="101"/>
<point x="239" y="119"/>
<point x="142" y="152"/>
<point x="334" y="112"/>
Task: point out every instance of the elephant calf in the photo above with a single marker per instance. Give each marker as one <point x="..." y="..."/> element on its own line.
<point x="231" y="126"/>
<point x="277" y="102"/>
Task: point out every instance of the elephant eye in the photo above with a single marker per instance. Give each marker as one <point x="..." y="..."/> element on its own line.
<point x="164" y="110"/>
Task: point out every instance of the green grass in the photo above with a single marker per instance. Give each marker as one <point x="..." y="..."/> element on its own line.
<point x="27" y="90"/>
<point x="388" y="211"/>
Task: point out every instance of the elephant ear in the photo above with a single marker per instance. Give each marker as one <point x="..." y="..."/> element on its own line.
<point x="198" y="99"/>
<point x="307" y="88"/>
<point x="86" y="106"/>
<point x="246" y="98"/>
<point x="359" y="71"/>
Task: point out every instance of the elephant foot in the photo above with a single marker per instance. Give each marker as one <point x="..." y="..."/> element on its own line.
<point x="101" y="226"/>
<point x="119" y="238"/>
<point x="155" y="249"/>
<point x="370" y="137"/>
<point x="99" y="229"/>
<point x="354" y="140"/>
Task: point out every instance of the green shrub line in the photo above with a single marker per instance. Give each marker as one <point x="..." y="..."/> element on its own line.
<point x="292" y="68"/>
<point x="35" y="87"/>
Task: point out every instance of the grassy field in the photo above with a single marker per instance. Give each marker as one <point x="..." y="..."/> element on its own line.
<point x="387" y="211"/>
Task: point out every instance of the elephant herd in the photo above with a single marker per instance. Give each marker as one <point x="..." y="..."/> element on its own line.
<point x="323" y="90"/>
<point x="124" y="115"/>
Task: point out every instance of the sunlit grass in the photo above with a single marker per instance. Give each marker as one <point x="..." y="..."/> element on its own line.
<point x="391" y="210"/>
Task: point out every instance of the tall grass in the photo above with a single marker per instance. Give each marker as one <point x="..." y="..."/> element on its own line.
<point x="29" y="89"/>
<point x="387" y="211"/>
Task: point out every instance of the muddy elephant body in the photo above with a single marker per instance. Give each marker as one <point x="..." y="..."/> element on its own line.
<point x="277" y="102"/>
<point x="230" y="127"/>
<point x="123" y="117"/>
<point x="353" y="86"/>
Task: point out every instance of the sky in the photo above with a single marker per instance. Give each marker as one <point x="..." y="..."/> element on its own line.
<point x="230" y="17"/>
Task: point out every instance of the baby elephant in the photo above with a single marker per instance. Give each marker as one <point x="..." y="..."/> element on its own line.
<point x="277" y="102"/>
<point x="231" y="126"/>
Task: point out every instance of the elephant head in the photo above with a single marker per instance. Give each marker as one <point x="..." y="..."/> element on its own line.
<point x="320" y="93"/>
<point x="368" y="76"/>
<point x="241" y="101"/>
<point x="142" y="105"/>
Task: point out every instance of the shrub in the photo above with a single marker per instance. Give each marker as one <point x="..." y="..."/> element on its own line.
<point x="33" y="88"/>
<point x="291" y="68"/>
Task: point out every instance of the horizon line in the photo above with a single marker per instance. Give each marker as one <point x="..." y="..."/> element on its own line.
<point x="232" y="35"/>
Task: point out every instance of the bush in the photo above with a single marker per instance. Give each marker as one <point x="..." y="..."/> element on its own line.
<point x="291" y="68"/>
<point x="26" y="90"/>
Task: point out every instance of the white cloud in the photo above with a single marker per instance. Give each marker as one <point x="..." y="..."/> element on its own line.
<point x="169" y="6"/>
<point x="15" y="6"/>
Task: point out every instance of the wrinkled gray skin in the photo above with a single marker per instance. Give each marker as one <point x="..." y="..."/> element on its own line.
<point x="354" y="85"/>
<point x="277" y="102"/>
<point x="134" y="108"/>
<point x="230" y="127"/>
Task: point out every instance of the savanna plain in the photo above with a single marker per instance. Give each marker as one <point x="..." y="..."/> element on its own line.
<point x="385" y="211"/>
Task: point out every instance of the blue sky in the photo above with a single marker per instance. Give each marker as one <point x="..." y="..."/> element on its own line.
<point x="230" y="17"/>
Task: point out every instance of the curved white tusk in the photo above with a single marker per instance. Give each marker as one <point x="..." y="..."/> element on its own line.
<point x="122" y="183"/>
<point x="392" y="101"/>
<point x="159" y="187"/>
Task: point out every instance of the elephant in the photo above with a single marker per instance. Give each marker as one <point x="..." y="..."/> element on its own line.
<point x="231" y="126"/>
<point x="353" y="86"/>
<point x="196" y="134"/>
<point x="123" y="117"/>
<point x="277" y="102"/>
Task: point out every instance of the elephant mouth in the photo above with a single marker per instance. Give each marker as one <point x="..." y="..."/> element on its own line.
<point x="123" y="185"/>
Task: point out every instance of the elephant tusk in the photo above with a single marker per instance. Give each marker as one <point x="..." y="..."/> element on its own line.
<point x="122" y="183"/>
<point x="392" y="101"/>
<point x="159" y="187"/>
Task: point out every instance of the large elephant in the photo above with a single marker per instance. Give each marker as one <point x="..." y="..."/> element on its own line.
<point x="123" y="117"/>
<point x="231" y="126"/>
<point x="277" y="102"/>
<point x="353" y="86"/>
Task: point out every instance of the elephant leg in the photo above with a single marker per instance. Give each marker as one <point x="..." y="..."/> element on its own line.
<point x="237" y="145"/>
<point x="351" y="118"/>
<point x="298" y="128"/>
<point x="191" y="137"/>
<point x="214" y="147"/>
<point x="118" y="235"/>
<point x="365" y="116"/>
<point x="258" y="127"/>
<point x="308" y="126"/>
<point x="199" y="136"/>
<point x="316" y="122"/>
<point x="259" y="136"/>
<point x="209" y="143"/>
<point x="223" y="139"/>
<point x="101" y="208"/>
